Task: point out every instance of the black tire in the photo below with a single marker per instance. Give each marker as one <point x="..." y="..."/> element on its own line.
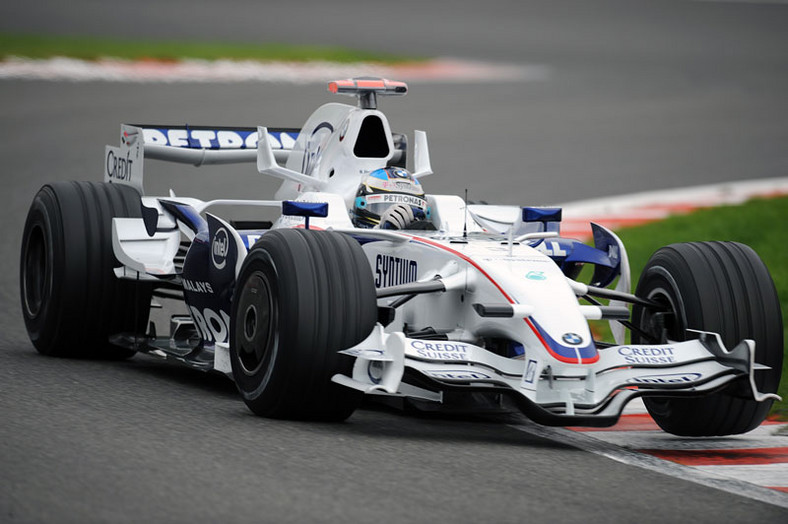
<point x="722" y="287"/>
<point x="71" y="300"/>
<point x="301" y="296"/>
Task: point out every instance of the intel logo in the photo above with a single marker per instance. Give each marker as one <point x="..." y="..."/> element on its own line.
<point x="220" y="248"/>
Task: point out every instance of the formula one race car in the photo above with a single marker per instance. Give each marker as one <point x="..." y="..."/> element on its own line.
<point x="368" y="285"/>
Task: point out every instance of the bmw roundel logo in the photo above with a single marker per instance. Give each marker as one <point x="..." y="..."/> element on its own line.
<point x="572" y="339"/>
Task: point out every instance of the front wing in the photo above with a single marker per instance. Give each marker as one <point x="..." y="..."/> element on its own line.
<point x="594" y="397"/>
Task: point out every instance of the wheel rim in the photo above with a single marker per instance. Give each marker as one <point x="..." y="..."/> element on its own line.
<point x="35" y="270"/>
<point x="673" y="329"/>
<point x="250" y="322"/>
<point x="662" y="289"/>
<point x="256" y="331"/>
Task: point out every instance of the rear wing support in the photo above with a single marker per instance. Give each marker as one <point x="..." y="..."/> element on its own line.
<point x="266" y="164"/>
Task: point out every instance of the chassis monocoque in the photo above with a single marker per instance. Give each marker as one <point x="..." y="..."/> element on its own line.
<point x="309" y="313"/>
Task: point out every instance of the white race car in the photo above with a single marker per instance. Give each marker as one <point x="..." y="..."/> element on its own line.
<point x="368" y="285"/>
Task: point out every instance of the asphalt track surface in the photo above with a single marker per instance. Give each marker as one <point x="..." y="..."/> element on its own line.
<point x="640" y="96"/>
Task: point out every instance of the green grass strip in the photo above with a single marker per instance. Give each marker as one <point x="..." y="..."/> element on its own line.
<point x="94" y="48"/>
<point x="761" y="224"/>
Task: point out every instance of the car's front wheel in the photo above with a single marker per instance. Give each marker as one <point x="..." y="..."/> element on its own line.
<point x="301" y="296"/>
<point x="725" y="288"/>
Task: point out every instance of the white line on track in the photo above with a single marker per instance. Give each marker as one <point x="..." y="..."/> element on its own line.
<point x="761" y="437"/>
<point x="705" y="477"/>
<point x="760" y="474"/>
<point x="233" y="71"/>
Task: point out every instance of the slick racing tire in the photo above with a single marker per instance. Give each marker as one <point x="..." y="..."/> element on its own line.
<point x="301" y="296"/>
<point x="71" y="300"/>
<point x="722" y="287"/>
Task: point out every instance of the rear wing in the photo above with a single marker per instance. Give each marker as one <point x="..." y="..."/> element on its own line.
<point x="206" y="145"/>
<point x="195" y="145"/>
<point x="236" y="144"/>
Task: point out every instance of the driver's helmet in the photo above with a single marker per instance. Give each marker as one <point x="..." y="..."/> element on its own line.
<point x="384" y="188"/>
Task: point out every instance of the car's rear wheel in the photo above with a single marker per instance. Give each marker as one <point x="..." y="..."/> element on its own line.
<point x="301" y="297"/>
<point x="71" y="300"/>
<point x="722" y="287"/>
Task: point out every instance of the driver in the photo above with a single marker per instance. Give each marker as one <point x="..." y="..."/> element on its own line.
<point x="390" y="198"/>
